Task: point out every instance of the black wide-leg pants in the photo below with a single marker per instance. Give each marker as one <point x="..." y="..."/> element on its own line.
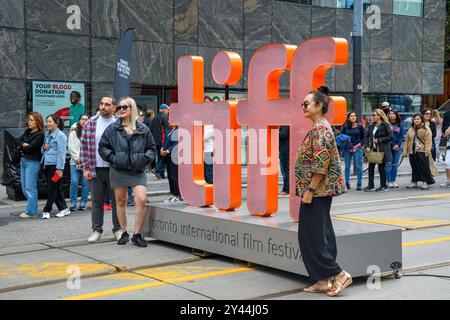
<point x="317" y="239"/>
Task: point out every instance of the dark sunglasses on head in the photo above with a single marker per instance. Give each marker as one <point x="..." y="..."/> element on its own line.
<point x="124" y="107"/>
<point x="305" y="104"/>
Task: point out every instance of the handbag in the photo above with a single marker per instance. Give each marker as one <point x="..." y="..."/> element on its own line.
<point x="375" y="157"/>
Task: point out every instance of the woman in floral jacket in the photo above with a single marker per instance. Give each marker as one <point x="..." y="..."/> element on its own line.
<point x="318" y="179"/>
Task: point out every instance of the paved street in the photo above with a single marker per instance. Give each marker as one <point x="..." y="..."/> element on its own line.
<point x="43" y="258"/>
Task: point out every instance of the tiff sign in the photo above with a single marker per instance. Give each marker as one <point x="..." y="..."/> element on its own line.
<point x="263" y="112"/>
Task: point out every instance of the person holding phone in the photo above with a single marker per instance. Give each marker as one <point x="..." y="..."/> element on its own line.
<point x="54" y="159"/>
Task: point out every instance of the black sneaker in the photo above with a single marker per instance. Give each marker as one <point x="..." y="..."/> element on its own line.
<point x="82" y="208"/>
<point x="348" y="186"/>
<point x="369" y="189"/>
<point x="123" y="239"/>
<point x="139" y="241"/>
<point x="382" y="189"/>
<point x="359" y="188"/>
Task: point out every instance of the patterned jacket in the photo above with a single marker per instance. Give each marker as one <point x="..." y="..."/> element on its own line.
<point x="88" y="151"/>
<point x="319" y="154"/>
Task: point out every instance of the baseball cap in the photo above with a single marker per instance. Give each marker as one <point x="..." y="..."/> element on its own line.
<point x="164" y="107"/>
<point x="385" y="104"/>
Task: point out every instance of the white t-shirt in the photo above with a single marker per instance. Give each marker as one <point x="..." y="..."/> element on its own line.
<point x="208" y="139"/>
<point x="102" y="124"/>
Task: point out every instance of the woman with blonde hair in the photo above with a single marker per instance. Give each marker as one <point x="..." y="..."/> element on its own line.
<point x="129" y="146"/>
<point x="378" y="138"/>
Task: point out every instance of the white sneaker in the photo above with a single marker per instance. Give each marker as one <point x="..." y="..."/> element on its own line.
<point x="425" y="186"/>
<point x="63" y="213"/>
<point x="390" y="185"/>
<point x="412" y="185"/>
<point x="26" y="216"/>
<point x="395" y="185"/>
<point x="118" y="235"/>
<point x="95" y="237"/>
<point x="46" y="215"/>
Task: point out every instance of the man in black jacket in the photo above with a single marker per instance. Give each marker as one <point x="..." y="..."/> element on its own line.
<point x="446" y="133"/>
<point x="284" y="158"/>
<point x="159" y="128"/>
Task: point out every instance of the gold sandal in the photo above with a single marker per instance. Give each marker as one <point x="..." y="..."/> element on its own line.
<point x="341" y="281"/>
<point x="319" y="287"/>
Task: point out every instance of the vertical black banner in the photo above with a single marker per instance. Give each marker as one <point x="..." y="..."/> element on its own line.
<point x="123" y="66"/>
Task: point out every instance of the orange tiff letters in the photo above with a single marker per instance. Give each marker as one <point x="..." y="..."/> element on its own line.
<point x="263" y="113"/>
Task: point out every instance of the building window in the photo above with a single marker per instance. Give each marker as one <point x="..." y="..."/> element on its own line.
<point x="409" y="7"/>
<point x="348" y="4"/>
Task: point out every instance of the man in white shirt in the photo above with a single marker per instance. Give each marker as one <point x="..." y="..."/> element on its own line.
<point x="96" y="170"/>
<point x="208" y="139"/>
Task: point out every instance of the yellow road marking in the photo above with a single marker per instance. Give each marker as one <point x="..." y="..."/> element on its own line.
<point x="50" y="270"/>
<point x="401" y="222"/>
<point x="419" y="243"/>
<point x="436" y="196"/>
<point x="154" y="284"/>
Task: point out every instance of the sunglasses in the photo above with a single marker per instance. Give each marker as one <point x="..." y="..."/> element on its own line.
<point x="124" y="108"/>
<point x="427" y="113"/>
<point x="305" y="104"/>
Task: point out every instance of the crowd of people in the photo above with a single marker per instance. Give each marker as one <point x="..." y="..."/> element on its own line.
<point x="110" y="154"/>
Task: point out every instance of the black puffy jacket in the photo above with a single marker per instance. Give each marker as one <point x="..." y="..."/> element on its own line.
<point x="127" y="152"/>
<point x="384" y="135"/>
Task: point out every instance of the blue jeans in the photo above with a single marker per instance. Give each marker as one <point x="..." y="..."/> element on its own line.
<point x="160" y="165"/>
<point x="392" y="167"/>
<point x="348" y="156"/>
<point x="76" y="176"/>
<point x="29" y="173"/>
<point x="208" y="168"/>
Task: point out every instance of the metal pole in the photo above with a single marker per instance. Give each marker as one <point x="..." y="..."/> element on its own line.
<point x="357" y="56"/>
<point x="227" y="93"/>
